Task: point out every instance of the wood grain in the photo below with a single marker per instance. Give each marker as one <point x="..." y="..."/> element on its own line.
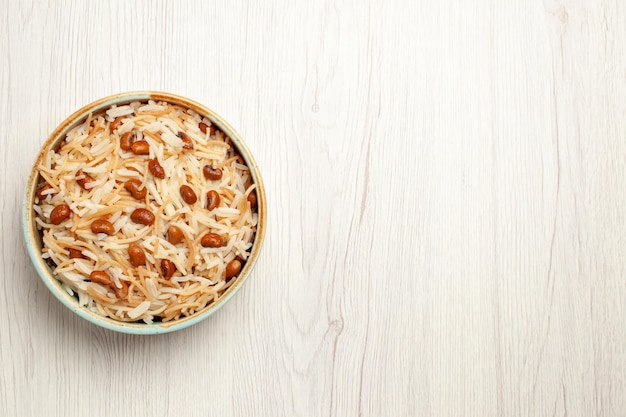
<point x="446" y="207"/>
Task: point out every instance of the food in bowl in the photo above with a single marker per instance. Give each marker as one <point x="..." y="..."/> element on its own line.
<point x="147" y="212"/>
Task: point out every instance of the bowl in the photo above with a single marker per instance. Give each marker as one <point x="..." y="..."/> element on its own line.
<point x="34" y="239"/>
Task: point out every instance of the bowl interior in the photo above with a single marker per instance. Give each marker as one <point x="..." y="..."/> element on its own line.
<point x="34" y="240"/>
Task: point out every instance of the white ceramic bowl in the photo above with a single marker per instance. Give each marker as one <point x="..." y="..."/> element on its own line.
<point x="33" y="236"/>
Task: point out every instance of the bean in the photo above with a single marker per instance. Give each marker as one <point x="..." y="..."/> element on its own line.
<point x="76" y="254"/>
<point x="142" y="216"/>
<point x="100" y="277"/>
<point x="167" y="268"/>
<point x="83" y="179"/>
<point x="174" y="235"/>
<point x="212" y="240"/>
<point x="133" y="186"/>
<point x="102" y="226"/>
<point x="156" y="169"/>
<point x="116" y="123"/>
<point x="213" y="199"/>
<point x="187" y="142"/>
<point x="137" y="255"/>
<point x="59" y="213"/>
<point x="140" y="147"/>
<point x="41" y="190"/>
<point x="211" y="173"/>
<point x="187" y="193"/>
<point x="233" y="268"/>
<point x="203" y="128"/>
<point x="120" y="292"/>
<point x="126" y="141"/>
<point x="252" y="199"/>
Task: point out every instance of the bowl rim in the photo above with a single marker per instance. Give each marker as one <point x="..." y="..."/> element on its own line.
<point x="31" y="233"/>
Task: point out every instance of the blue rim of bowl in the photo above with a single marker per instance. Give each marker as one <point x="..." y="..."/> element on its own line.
<point x="32" y="236"/>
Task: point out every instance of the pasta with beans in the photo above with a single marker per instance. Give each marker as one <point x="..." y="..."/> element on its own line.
<point x="147" y="212"/>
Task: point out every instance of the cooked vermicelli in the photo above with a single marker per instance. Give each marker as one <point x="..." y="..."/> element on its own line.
<point x="146" y="212"/>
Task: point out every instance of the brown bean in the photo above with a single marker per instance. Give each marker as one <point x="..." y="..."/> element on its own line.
<point x="100" y="277"/>
<point x="187" y="193"/>
<point x="212" y="240"/>
<point x="174" y="235"/>
<point x="76" y="254"/>
<point x="140" y="147"/>
<point x="167" y="268"/>
<point x="126" y="141"/>
<point x="83" y="179"/>
<point x="137" y="255"/>
<point x="204" y="127"/>
<point x="116" y="123"/>
<point x="233" y="268"/>
<point x="211" y="173"/>
<point x="133" y="186"/>
<point x="142" y="216"/>
<point x="102" y="226"/>
<point x="120" y="292"/>
<point x="213" y="199"/>
<point x="59" y="213"/>
<point x="41" y="190"/>
<point x="156" y="169"/>
<point x="187" y="142"/>
<point x="252" y="199"/>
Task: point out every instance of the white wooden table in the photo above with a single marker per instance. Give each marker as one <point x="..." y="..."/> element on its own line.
<point x="447" y="207"/>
